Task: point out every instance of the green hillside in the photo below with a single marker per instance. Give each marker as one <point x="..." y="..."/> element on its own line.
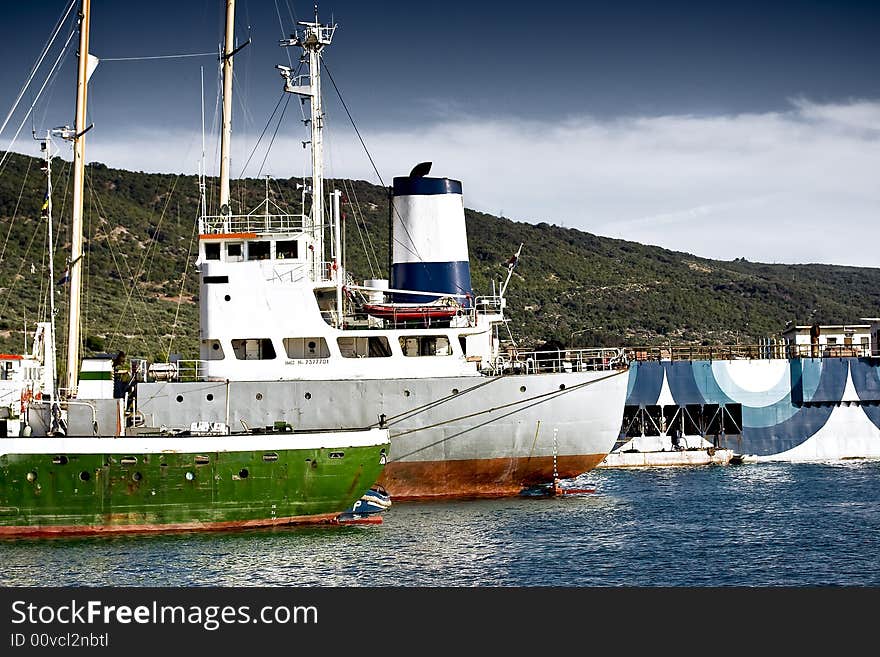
<point x="571" y="286"/>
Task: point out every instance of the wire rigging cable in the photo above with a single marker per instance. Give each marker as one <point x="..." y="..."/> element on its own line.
<point x="367" y="151"/>
<point x="39" y="62"/>
<point x="138" y="59"/>
<point x="61" y="55"/>
<point x="274" y="134"/>
<point x="538" y="399"/>
<point x="262" y="134"/>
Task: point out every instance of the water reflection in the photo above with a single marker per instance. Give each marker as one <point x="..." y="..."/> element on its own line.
<point x="753" y="525"/>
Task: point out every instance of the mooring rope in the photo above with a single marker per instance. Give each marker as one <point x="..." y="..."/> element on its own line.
<point x="536" y="400"/>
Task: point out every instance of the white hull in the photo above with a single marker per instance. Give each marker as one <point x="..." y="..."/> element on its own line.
<point x="505" y="431"/>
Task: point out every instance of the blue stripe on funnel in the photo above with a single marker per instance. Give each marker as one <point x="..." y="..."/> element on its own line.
<point x="450" y="277"/>
<point x="406" y="186"/>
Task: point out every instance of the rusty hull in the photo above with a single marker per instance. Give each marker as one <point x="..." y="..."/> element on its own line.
<point x="499" y="477"/>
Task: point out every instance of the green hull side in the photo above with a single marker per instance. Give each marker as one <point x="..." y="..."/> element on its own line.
<point x="95" y="493"/>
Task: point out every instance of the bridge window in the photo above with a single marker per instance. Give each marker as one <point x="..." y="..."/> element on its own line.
<point x="286" y="249"/>
<point x="233" y="252"/>
<point x="306" y="348"/>
<point x="212" y="250"/>
<point x="258" y="250"/>
<point x="374" y="346"/>
<point x="426" y="345"/>
<point x="253" y="349"/>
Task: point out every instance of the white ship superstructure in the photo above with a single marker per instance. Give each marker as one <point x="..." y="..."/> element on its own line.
<point x="286" y="340"/>
<point x="290" y="341"/>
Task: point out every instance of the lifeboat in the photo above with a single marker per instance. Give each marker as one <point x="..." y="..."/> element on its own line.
<point x="444" y="308"/>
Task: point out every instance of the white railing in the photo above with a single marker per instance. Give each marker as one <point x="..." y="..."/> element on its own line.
<point x="560" y="360"/>
<point x="180" y="370"/>
<point x="251" y="223"/>
<point x="747" y="351"/>
<point x="488" y="305"/>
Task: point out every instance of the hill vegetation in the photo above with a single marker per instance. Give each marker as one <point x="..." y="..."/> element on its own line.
<point x="141" y="287"/>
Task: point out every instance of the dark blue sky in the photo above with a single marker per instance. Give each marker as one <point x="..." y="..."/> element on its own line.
<point x="662" y="122"/>
<point x="402" y="61"/>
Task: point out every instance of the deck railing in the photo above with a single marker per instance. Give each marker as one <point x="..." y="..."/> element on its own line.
<point x="180" y="370"/>
<point x="560" y="360"/>
<point x="251" y="223"/>
<point x="746" y="351"/>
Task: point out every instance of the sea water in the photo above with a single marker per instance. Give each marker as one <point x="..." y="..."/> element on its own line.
<point x="746" y="525"/>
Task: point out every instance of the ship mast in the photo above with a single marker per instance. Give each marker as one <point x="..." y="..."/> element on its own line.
<point x="312" y="40"/>
<point x="226" y="135"/>
<point x="49" y="341"/>
<point x="76" y="241"/>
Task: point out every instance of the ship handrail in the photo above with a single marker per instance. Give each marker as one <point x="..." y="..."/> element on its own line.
<point x="592" y="359"/>
<point x="761" y="351"/>
<point x="178" y="370"/>
<point x="234" y="224"/>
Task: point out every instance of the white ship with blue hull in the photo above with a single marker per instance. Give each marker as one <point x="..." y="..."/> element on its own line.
<point x="822" y="405"/>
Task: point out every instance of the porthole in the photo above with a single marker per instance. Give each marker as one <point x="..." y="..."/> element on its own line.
<point x="243" y="473"/>
<point x="179" y="398"/>
<point x="455" y="391"/>
<point x="406" y="393"/>
<point x="137" y="476"/>
<point x="190" y="476"/>
<point x="259" y="396"/>
<point x="31" y="476"/>
<point x="227" y="298"/>
<point x="215" y="346"/>
<point x="562" y="386"/>
<point x="522" y="388"/>
<point x="84" y="476"/>
<point x="308" y="395"/>
<point x="209" y="397"/>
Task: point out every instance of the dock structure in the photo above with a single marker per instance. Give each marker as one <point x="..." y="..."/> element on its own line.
<point x="653" y="459"/>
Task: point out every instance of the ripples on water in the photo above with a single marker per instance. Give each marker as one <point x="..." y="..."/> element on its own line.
<point x="750" y="525"/>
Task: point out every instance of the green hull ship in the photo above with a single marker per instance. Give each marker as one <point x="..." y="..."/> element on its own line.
<point x="79" y="486"/>
<point x="85" y="460"/>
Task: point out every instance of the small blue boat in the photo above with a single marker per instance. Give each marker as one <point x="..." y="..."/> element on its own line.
<point x="368" y="508"/>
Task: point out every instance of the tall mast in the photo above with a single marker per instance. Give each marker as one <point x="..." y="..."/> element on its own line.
<point x="49" y="374"/>
<point x="312" y="40"/>
<point x="49" y="341"/>
<point x="226" y="135"/>
<point x="76" y="241"/>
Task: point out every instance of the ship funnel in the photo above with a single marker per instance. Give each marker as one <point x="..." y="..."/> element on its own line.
<point x="430" y="252"/>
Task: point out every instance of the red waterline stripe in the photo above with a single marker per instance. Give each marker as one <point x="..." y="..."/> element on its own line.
<point x="45" y="531"/>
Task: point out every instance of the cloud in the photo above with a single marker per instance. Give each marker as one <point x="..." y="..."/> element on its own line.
<point x="795" y="186"/>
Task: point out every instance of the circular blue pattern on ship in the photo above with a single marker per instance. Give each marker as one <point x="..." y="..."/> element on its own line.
<point x="866" y="380"/>
<point x="784" y="402"/>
